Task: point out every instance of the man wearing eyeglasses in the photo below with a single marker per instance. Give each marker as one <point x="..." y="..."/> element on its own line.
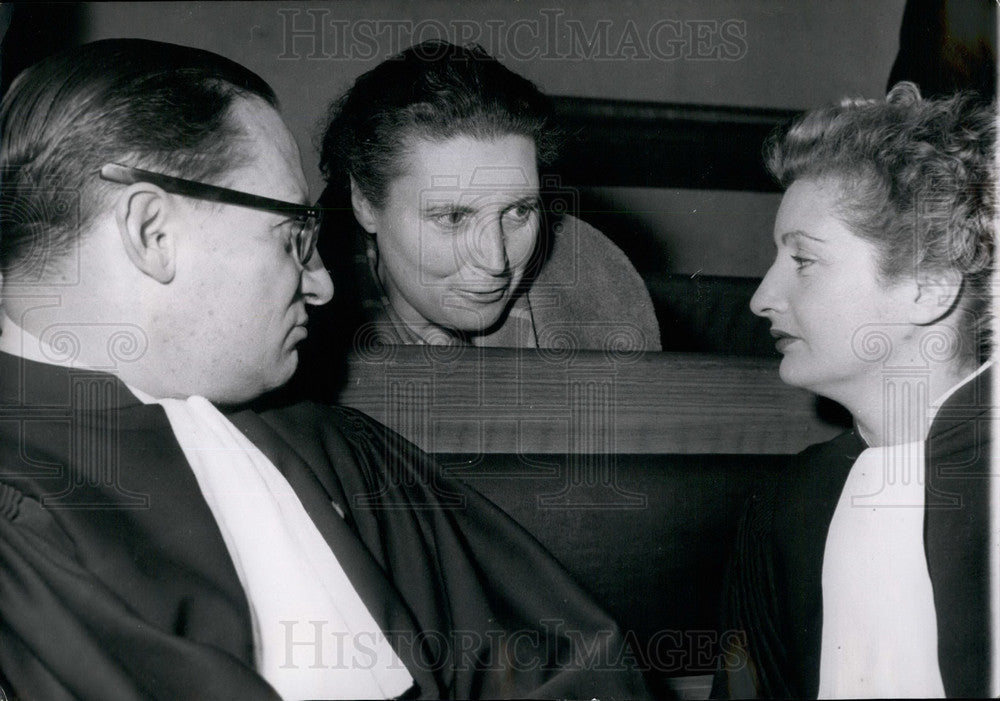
<point x="160" y="539"/>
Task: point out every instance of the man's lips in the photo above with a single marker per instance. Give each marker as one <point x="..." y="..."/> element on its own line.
<point x="299" y="329"/>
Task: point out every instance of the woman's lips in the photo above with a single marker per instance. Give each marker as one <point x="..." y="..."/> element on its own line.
<point x="782" y="339"/>
<point x="483" y="296"/>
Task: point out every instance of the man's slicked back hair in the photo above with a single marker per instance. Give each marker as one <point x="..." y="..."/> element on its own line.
<point x="144" y="103"/>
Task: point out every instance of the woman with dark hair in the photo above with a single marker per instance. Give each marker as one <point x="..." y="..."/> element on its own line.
<point x="438" y="151"/>
<point x="867" y="572"/>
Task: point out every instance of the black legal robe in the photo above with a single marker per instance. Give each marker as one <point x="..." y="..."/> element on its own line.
<point x="115" y="582"/>
<point x="774" y="587"/>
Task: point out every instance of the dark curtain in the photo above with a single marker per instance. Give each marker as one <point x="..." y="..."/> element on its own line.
<point x="948" y="45"/>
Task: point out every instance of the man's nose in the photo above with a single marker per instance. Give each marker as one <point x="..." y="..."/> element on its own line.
<point x="316" y="284"/>
<point x="488" y="249"/>
<point x="768" y="296"/>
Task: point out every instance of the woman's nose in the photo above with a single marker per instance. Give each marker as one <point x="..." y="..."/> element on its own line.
<point x="489" y="247"/>
<point x="767" y="297"/>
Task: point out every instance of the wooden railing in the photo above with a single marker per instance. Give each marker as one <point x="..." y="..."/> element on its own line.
<point x="474" y="400"/>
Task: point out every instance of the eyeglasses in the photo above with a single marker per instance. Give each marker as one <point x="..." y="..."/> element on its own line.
<point x="307" y="219"/>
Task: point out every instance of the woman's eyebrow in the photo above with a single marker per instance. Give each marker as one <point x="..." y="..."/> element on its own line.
<point x="799" y="233"/>
<point x="533" y="200"/>
<point x="448" y="208"/>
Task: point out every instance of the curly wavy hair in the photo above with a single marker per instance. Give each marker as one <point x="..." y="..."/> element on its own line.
<point x="916" y="178"/>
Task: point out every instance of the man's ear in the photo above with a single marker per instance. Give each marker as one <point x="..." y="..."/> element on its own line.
<point x="937" y="293"/>
<point x="141" y="214"/>
<point x="364" y="212"/>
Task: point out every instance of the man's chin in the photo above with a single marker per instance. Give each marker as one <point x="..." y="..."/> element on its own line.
<point x="288" y="366"/>
<point x="253" y="387"/>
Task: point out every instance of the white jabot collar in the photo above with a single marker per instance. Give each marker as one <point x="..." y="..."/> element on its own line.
<point x="879" y="636"/>
<point x="314" y="637"/>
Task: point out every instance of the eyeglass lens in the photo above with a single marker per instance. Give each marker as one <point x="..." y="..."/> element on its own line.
<point x="305" y="238"/>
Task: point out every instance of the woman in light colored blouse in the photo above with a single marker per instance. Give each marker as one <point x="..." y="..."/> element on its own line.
<point x="871" y="570"/>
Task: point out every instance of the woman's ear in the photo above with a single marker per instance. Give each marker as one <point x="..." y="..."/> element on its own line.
<point x="364" y="212"/>
<point x="141" y="214"/>
<point x="937" y="295"/>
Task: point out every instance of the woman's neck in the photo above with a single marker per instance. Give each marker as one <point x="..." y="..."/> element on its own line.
<point x="899" y="407"/>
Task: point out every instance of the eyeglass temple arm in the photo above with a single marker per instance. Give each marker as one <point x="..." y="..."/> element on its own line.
<point x="127" y="175"/>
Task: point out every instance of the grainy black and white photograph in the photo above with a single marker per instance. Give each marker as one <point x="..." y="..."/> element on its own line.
<point x="498" y="349"/>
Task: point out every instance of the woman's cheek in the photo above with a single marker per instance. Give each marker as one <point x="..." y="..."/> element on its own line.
<point x="439" y="255"/>
<point x="521" y="246"/>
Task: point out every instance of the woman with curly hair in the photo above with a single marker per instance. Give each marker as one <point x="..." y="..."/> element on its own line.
<point x="869" y="571"/>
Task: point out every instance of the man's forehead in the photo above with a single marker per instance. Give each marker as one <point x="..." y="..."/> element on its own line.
<point x="273" y="167"/>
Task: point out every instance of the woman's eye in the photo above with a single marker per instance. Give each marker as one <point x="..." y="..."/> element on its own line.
<point x="451" y="220"/>
<point x="801" y="263"/>
<point x="521" y="213"/>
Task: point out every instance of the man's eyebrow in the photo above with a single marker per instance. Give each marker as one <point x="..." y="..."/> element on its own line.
<point x="799" y="233"/>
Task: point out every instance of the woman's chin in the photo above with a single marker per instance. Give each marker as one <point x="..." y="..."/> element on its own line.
<point x="819" y="381"/>
<point x="792" y="374"/>
<point x="476" y="320"/>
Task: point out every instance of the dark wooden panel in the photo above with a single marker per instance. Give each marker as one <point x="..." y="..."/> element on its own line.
<point x="469" y="400"/>
<point x="639" y="144"/>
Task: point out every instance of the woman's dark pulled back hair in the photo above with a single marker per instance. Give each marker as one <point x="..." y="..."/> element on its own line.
<point x="916" y="178"/>
<point x="148" y="104"/>
<point x="434" y="90"/>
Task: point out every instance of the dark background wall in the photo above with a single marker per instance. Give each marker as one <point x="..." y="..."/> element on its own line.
<point x="790" y="54"/>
